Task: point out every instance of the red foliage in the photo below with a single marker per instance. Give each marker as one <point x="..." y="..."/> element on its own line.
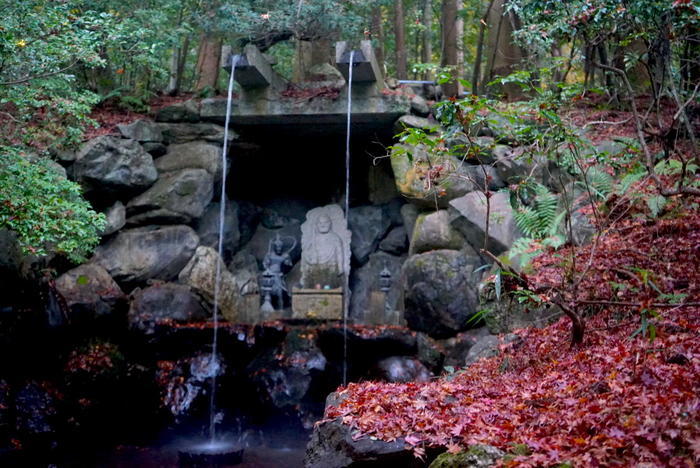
<point x="614" y="401"/>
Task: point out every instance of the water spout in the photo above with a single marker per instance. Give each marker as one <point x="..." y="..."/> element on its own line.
<point x="217" y="286"/>
<point x="346" y="289"/>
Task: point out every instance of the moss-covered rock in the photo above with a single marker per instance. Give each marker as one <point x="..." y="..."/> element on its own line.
<point x="476" y="457"/>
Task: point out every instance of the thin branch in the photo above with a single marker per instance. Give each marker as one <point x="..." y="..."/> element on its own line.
<point x="37" y="77"/>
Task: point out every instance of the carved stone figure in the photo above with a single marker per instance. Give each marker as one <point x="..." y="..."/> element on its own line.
<point x="325" y="243"/>
<point x="277" y="262"/>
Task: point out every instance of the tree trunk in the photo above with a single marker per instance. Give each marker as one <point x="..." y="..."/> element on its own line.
<point x="504" y="55"/>
<point x="377" y="31"/>
<point x="476" y="73"/>
<point x="450" y="49"/>
<point x="400" y="38"/>
<point x="427" y="51"/>
<point x="208" y="62"/>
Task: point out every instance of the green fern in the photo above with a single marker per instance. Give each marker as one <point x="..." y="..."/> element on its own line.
<point x="536" y="220"/>
<point x="598" y="181"/>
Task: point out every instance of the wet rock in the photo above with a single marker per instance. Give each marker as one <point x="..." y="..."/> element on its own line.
<point x="477" y="456"/>
<point x="468" y="216"/>
<point x="368" y="224"/>
<point x="116" y="218"/>
<point x="396" y="242"/>
<point x="200" y="275"/>
<point x="368" y="304"/>
<point x="109" y="164"/>
<point x="155" y="149"/>
<point x="175" y="133"/>
<point x="207" y="228"/>
<point x="440" y="296"/>
<point x="89" y="291"/>
<point x="142" y="131"/>
<point x="332" y="445"/>
<point x="192" y="155"/>
<point x="187" y="111"/>
<point x="165" y="302"/>
<point x="433" y="231"/>
<point x="402" y="369"/>
<point x="177" y="197"/>
<point x="285" y="376"/>
<point x="155" y="252"/>
<point x="187" y="382"/>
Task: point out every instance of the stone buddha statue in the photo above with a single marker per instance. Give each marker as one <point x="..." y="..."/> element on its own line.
<point x="325" y="255"/>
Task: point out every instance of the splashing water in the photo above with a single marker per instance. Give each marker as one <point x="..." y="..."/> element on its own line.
<point x="222" y="214"/>
<point x="346" y="289"/>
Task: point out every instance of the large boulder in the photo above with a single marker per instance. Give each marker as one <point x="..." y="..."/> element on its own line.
<point x="143" y="131"/>
<point x="468" y="216"/>
<point x="368" y="304"/>
<point x="200" y="275"/>
<point x="89" y="292"/>
<point x="113" y="165"/>
<point x="164" y="302"/>
<point x="440" y="296"/>
<point x="177" y="197"/>
<point x="409" y="216"/>
<point x="396" y="242"/>
<point x="402" y="369"/>
<point x="187" y="111"/>
<point x="116" y="218"/>
<point x="433" y="231"/>
<point x="368" y="224"/>
<point x="192" y="155"/>
<point x="134" y="256"/>
<point x="175" y="133"/>
<point x="333" y="445"/>
<point x="208" y="228"/>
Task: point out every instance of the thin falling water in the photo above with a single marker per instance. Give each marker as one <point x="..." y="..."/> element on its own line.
<point x="222" y="215"/>
<point x="346" y="289"/>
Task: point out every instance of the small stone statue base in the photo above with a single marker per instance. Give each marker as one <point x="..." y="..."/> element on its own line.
<point x="323" y="304"/>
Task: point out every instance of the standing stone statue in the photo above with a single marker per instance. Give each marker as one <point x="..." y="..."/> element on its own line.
<point x="325" y="248"/>
<point x="277" y="262"/>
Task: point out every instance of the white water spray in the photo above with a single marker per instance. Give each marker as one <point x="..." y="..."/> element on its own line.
<point x="222" y="217"/>
<point x="346" y="301"/>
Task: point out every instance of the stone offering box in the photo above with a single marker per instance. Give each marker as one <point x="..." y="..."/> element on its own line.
<point x="325" y="304"/>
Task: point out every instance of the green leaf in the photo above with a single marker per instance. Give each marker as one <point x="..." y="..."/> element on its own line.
<point x="656" y="204"/>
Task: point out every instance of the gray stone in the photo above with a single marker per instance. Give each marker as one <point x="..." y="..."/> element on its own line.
<point x="200" y="275"/>
<point x="396" y="242"/>
<point x="177" y="197"/>
<point x="440" y="296"/>
<point x="368" y="225"/>
<point x="137" y="255"/>
<point x="332" y="445"/>
<point x="419" y="106"/>
<point x="382" y="187"/>
<point x="477" y="456"/>
<point x="468" y="216"/>
<point x="409" y="214"/>
<point x="392" y="210"/>
<point x="259" y="244"/>
<point x="142" y="131"/>
<point x="457" y="347"/>
<point x="164" y="303"/>
<point x="325" y="241"/>
<point x="484" y="347"/>
<point x="575" y="200"/>
<point x="433" y="231"/>
<point x="116" y="218"/>
<point x="192" y="155"/>
<point x="155" y="149"/>
<point x="207" y="228"/>
<point x="413" y="121"/>
<point x="364" y="284"/>
<point x="109" y="164"/>
<point x="175" y="133"/>
<point x="187" y="111"/>
<point x="514" y="166"/>
<point x="402" y="369"/>
<point x="245" y="272"/>
<point x="89" y="291"/>
<point x="248" y="219"/>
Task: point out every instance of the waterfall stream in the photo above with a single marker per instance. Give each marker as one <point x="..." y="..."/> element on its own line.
<point x="222" y="217"/>
<point x="346" y="289"/>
